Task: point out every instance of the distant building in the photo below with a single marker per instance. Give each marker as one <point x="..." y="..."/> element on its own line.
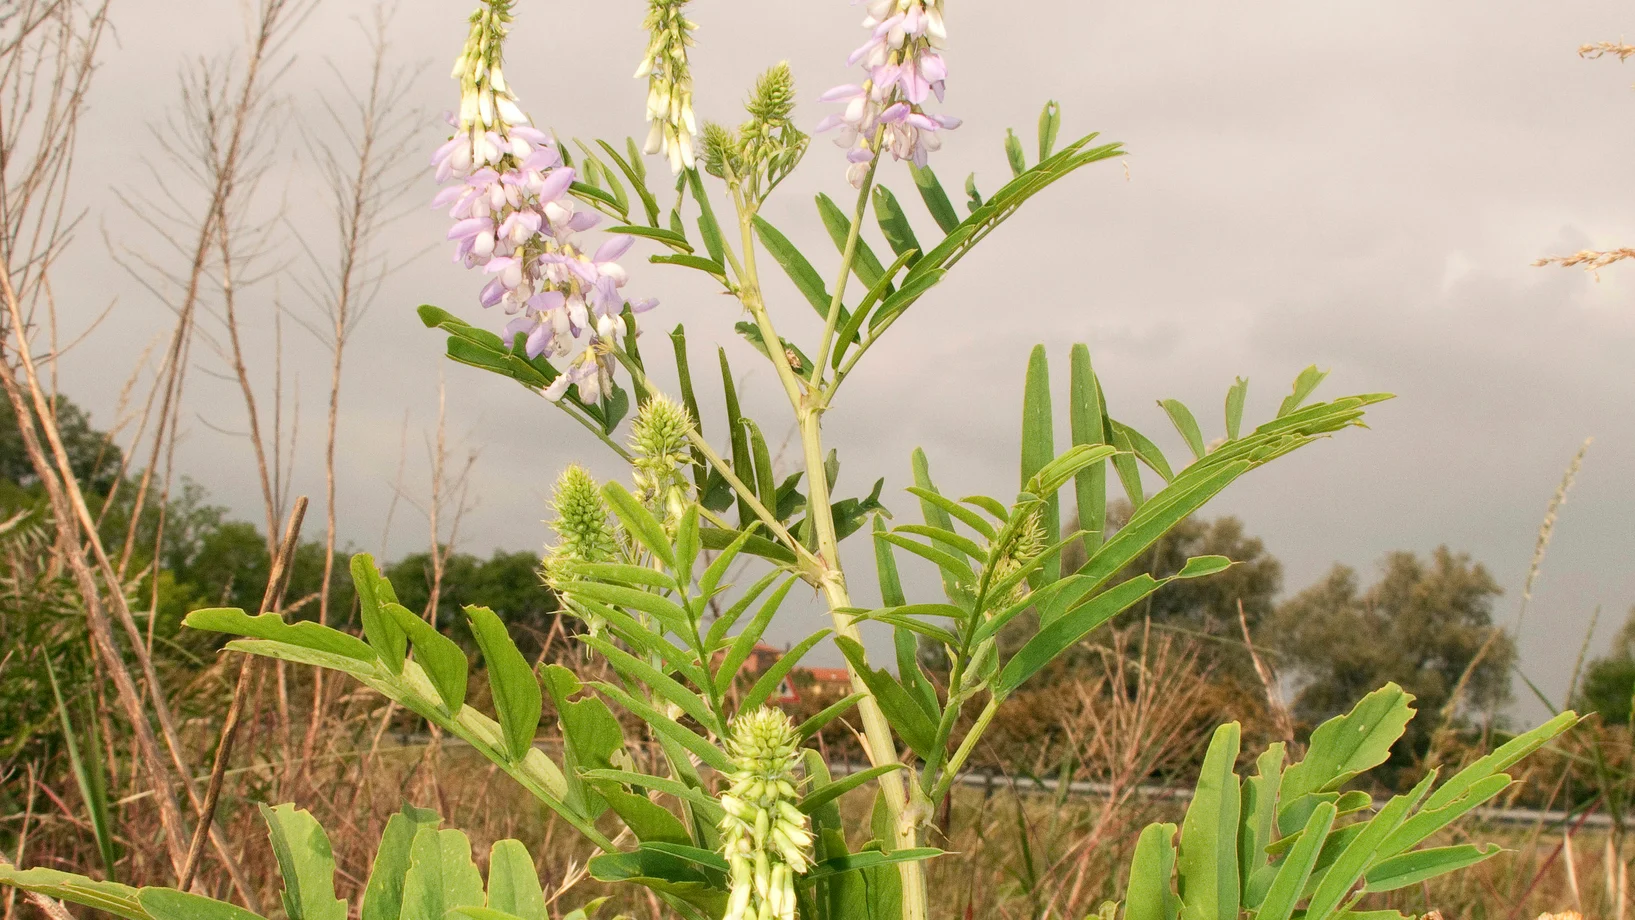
<point x="823" y="681"/>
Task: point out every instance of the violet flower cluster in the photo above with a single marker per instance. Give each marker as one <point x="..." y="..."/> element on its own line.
<point x="905" y="69"/>
<point x="507" y="189"/>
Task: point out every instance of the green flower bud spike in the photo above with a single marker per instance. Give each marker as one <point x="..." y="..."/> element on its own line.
<point x="658" y="440"/>
<point x="766" y="839"/>
<point x="583" y="532"/>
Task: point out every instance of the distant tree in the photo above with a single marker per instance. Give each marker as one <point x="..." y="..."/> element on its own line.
<point x="1421" y="625"/>
<point x="1609" y="682"/>
<point x="228" y="565"/>
<point x="509" y="583"/>
<point x="92" y="455"/>
<point x="1205" y="606"/>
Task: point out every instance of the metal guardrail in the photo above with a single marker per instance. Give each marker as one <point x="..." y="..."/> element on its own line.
<point x="991" y="781"/>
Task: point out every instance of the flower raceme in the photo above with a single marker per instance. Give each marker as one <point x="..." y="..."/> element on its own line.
<point x="766" y="839"/>
<point x="905" y="69"/>
<point x="669" y="83"/>
<point x="507" y="188"/>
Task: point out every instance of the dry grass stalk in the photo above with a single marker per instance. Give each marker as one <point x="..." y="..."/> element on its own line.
<point x="1282" y="719"/>
<point x="1547" y="529"/>
<point x="1616" y="49"/>
<point x="1592" y="260"/>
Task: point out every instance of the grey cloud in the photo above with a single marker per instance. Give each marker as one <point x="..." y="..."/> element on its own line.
<point x="1359" y="185"/>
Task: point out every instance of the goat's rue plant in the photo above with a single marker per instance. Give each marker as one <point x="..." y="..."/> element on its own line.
<point x="741" y="821"/>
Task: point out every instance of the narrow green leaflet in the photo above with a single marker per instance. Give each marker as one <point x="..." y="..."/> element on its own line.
<point x="668" y="727"/>
<point x="1413" y="868"/>
<point x="441" y="876"/>
<point x="796" y="266"/>
<point x="830" y="792"/>
<point x="1303" y="387"/>
<point x="657" y="681"/>
<point x="235" y="622"/>
<point x="1234" y="407"/>
<point x="639" y="522"/>
<point x="516" y="691"/>
<point x="305" y="863"/>
<point x="868" y="859"/>
<point x="1208" y="863"/>
<point x="1339" y="878"/>
<point x="1147" y="894"/>
<point x="1039" y="448"/>
<point x="1201" y="566"/>
<point x="1144" y="449"/>
<point x="1013" y="153"/>
<point x="1186" y="424"/>
<point x="513" y="882"/>
<point x="865" y="264"/>
<point x="1050" y="123"/>
<point x="708" y="228"/>
<point x="1505" y="757"/>
<point x="169" y="904"/>
<point x="632" y="168"/>
<point x="1067" y="630"/>
<point x="677" y="788"/>
<point x="383" y="895"/>
<point x="117" y="899"/>
<point x="828" y="714"/>
<point x="664" y="873"/>
<point x="894" y="223"/>
<point x="441" y="657"/>
<point x="744" y="643"/>
<point x="667" y="237"/>
<point x="1345" y="746"/>
<point x="1088" y="426"/>
<point x="1259" y="812"/>
<point x="717" y="638"/>
<point x="1290" y="881"/>
<point x="1430" y="820"/>
<point x="388" y="640"/>
<point x="762" y="689"/>
<point x="935" y="198"/>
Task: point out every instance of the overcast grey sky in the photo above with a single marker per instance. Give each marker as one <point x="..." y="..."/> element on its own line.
<point x="1357" y="184"/>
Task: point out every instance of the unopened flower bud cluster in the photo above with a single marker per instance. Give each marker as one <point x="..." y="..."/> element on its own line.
<point x="583" y="531"/>
<point x="658" y="444"/>
<point x="765" y="837"/>
<point x="507" y="190"/>
<point x="905" y="69"/>
<point x="768" y="146"/>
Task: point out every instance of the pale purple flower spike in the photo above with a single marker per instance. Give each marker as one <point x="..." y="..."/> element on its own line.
<point x="905" y="68"/>
<point x="514" y="218"/>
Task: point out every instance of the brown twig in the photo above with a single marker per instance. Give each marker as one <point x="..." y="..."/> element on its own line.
<point x="1281" y="719"/>
<point x="271" y="599"/>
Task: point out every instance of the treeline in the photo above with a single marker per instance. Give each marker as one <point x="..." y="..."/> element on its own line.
<point x="1426" y="623"/>
<point x="204" y="559"/>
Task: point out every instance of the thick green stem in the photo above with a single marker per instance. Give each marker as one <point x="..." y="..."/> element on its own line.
<point x="878" y="736"/>
<point x="832" y="319"/>
<point x="877" y="733"/>
<point x="957" y="762"/>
